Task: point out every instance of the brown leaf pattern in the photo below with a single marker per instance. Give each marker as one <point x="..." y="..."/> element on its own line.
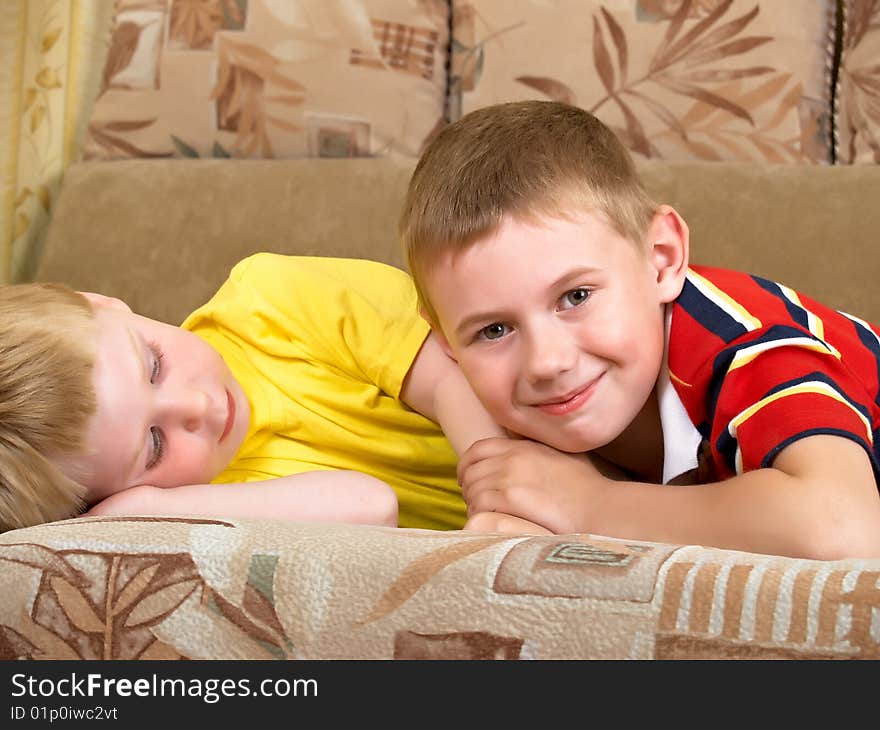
<point x="122" y="47"/>
<point x="243" y="73"/>
<point x="669" y="8"/>
<point x="97" y="607"/>
<point x="420" y="572"/>
<point x="859" y="103"/>
<point x="555" y="90"/>
<point x="194" y="23"/>
<point x="468" y="53"/>
<point x="109" y="137"/>
<point x="678" y="65"/>
<point x="231" y="78"/>
<point x="105" y="606"/>
<point x="683" y="91"/>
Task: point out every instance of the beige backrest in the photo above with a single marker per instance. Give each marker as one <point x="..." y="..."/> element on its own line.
<point x="163" y="234"/>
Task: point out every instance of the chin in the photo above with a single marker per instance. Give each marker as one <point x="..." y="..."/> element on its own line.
<point x="575" y="446"/>
<point x="579" y="440"/>
<point x="569" y="443"/>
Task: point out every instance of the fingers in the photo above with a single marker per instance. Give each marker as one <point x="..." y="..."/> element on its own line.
<point x="480" y="475"/>
<point x="485" y="486"/>
<point x="491" y="471"/>
<point x="480" y="450"/>
<point x="495" y="492"/>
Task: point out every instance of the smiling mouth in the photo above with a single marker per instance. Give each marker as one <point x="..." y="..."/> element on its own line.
<point x="230" y="416"/>
<point x="570" y="402"/>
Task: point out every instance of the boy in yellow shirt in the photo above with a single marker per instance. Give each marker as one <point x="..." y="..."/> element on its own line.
<point x="304" y="389"/>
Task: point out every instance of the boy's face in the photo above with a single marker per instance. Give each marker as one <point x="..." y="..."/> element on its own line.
<point x="559" y="326"/>
<point x="169" y="411"/>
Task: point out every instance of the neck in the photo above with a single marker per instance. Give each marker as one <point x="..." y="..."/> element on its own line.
<point x="639" y="449"/>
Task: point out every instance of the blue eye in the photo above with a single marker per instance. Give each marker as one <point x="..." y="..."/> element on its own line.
<point x="494" y="331"/>
<point x="575" y="297"/>
<point x="157" y="448"/>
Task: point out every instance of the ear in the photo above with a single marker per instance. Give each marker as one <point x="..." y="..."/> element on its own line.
<point x="438" y="334"/>
<point x="668" y="249"/>
<point x="101" y="300"/>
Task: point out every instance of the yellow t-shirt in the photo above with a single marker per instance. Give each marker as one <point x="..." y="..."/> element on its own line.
<point x="321" y="347"/>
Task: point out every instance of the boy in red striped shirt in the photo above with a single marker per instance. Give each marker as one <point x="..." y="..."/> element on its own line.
<point x="565" y="295"/>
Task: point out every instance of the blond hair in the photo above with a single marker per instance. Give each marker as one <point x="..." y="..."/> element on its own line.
<point x="47" y="353"/>
<point x="523" y="159"/>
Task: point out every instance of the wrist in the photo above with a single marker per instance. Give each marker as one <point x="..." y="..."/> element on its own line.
<point x="593" y="516"/>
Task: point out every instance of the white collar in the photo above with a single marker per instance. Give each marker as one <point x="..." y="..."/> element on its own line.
<point x="681" y="440"/>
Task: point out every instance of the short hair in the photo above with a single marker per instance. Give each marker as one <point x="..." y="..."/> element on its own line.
<point x="523" y="159"/>
<point x="47" y="396"/>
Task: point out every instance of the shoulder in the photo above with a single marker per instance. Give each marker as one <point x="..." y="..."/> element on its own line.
<point x="275" y="265"/>
<point x="763" y="336"/>
<point x="722" y="308"/>
<point x="317" y="276"/>
<point x="723" y="317"/>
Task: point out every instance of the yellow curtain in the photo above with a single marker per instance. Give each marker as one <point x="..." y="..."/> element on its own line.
<point x="51" y="57"/>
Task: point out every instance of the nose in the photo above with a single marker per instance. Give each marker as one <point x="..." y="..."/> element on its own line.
<point x="548" y="353"/>
<point x="187" y="407"/>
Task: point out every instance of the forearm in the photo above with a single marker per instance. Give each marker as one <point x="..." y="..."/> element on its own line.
<point x="319" y="496"/>
<point x="765" y="511"/>
<point x="460" y="414"/>
<point x="436" y="388"/>
<point x="819" y="500"/>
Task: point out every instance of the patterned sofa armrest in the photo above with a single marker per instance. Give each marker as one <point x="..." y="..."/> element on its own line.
<point x="176" y="588"/>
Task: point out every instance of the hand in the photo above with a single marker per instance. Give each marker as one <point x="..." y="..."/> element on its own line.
<point x="131" y="501"/>
<point x="531" y="481"/>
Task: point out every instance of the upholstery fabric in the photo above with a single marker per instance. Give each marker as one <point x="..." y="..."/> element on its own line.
<point x="710" y="79"/>
<point x="185" y="588"/>
<point x="857" y="110"/>
<point x="271" y="78"/>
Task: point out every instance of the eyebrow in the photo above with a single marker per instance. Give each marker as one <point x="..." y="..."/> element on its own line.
<point x="497" y="315"/>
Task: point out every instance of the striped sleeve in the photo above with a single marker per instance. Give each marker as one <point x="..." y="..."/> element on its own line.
<point x="784" y="392"/>
<point x="759" y="366"/>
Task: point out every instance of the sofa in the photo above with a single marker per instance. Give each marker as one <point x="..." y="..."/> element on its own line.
<point x="163" y="234"/>
<point x="294" y="127"/>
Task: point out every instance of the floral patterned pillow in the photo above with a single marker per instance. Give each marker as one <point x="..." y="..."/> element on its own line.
<point x="271" y="78"/>
<point x="676" y="79"/>
<point x="857" y="111"/>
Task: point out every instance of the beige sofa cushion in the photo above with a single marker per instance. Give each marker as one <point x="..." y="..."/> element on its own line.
<point x="201" y="588"/>
<point x="733" y="80"/>
<point x="271" y="78"/>
<point x="857" y="111"/>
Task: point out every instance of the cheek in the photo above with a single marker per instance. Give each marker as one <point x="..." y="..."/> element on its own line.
<point x="624" y="336"/>
<point x="187" y="461"/>
<point x="185" y="347"/>
<point x="489" y="379"/>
